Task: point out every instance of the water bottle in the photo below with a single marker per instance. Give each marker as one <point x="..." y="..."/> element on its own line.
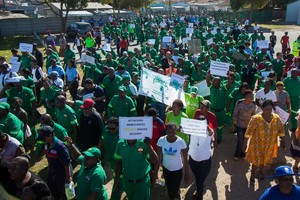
<point x="70" y="190"/>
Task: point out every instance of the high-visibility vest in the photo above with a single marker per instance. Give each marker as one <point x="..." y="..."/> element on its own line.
<point x="296" y="47"/>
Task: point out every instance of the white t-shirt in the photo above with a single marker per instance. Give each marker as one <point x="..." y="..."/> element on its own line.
<point x="246" y="22"/>
<point x="200" y="147"/>
<point x="261" y="96"/>
<point x="172" y="153"/>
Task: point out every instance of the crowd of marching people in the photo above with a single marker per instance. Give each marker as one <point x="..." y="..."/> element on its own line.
<point x="83" y="101"/>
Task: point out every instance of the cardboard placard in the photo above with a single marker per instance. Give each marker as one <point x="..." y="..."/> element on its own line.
<point x="219" y="68"/>
<point x="24" y="47"/>
<point x="194" y="127"/>
<point x="134" y="128"/>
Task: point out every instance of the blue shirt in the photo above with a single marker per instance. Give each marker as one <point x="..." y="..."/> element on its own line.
<point x="71" y="73"/>
<point x="273" y="193"/>
<point x="125" y="73"/>
<point x="58" y="69"/>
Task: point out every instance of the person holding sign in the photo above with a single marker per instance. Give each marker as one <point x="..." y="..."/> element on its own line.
<point x="263" y="131"/>
<point x="132" y="160"/>
<point x="200" y="147"/>
<point x="172" y="154"/>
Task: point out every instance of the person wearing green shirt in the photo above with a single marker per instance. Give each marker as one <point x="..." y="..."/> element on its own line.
<point x="76" y="106"/>
<point x="218" y="102"/>
<point x="218" y="36"/>
<point x="10" y="124"/>
<point x="132" y="161"/>
<point x="292" y="85"/>
<point x="66" y="117"/>
<point x="186" y="65"/>
<point x="27" y="81"/>
<point x="192" y="101"/>
<point x="108" y="142"/>
<point x="51" y="55"/>
<point x="26" y="60"/>
<point x="279" y="66"/>
<point x="175" y="116"/>
<point x="121" y="105"/>
<point x="48" y="96"/>
<point x="254" y="37"/>
<point x="91" y="72"/>
<point x="68" y="55"/>
<point x="131" y="89"/>
<point x="91" y="177"/>
<point x="198" y="74"/>
<point x="109" y="62"/>
<point x="111" y="83"/>
<point x="90" y="41"/>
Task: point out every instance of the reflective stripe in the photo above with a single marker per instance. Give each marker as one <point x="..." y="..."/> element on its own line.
<point x="109" y="105"/>
<point x="40" y="142"/>
<point x="220" y="127"/>
<point x="117" y="156"/>
<point x="132" y="109"/>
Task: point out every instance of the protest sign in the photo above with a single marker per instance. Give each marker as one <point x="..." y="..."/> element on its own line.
<point x="106" y="47"/>
<point x="203" y="89"/>
<point x="176" y="81"/>
<point x="263" y="44"/>
<point x="238" y="56"/>
<point x="14" y="79"/>
<point x="219" y="68"/>
<point x="191" y="25"/>
<point x="132" y="25"/>
<point x="13" y="59"/>
<point x="162" y="24"/>
<point x="151" y="41"/>
<point x="134" y="128"/>
<point x="210" y="41"/>
<point x="157" y="86"/>
<point x="3" y="99"/>
<point x="204" y="34"/>
<point x="88" y="59"/>
<point x="88" y="96"/>
<point x="167" y="39"/>
<point x="194" y="46"/>
<point x="265" y="74"/>
<point x="186" y="40"/>
<point x="23" y="47"/>
<point x="181" y="18"/>
<point x="15" y="67"/>
<point x="189" y="30"/>
<point x="282" y="114"/>
<point x="194" y="127"/>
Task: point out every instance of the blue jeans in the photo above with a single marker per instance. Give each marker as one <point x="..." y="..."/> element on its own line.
<point x="240" y="139"/>
<point x="200" y="170"/>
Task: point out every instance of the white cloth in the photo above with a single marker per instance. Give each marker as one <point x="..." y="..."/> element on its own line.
<point x="8" y="152"/>
<point x="3" y="78"/>
<point x="33" y="71"/>
<point x="171" y="152"/>
<point x="58" y="83"/>
<point x="200" y="147"/>
<point x="261" y="96"/>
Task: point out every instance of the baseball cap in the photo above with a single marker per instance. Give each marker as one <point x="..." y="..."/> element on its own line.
<point x="283" y="171"/>
<point x="205" y="103"/>
<point x="92" y="152"/>
<point x="126" y="78"/>
<point x="54" y="73"/>
<point x="122" y="88"/>
<point x="194" y="90"/>
<point x="4" y="106"/>
<point x="87" y="104"/>
<point x="279" y="83"/>
<point x="44" y="132"/>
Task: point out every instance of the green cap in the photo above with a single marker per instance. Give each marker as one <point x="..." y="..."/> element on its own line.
<point x="176" y="49"/>
<point x="122" y="88"/>
<point x="130" y="52"/>
<point x="193" y="90"/>
<point x="4" y="105"/>
<point x="268" y="64"/>
<point x="92" y="152"/>
<point x="126" y="78"/>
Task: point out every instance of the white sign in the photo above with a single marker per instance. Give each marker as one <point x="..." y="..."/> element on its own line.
<point x="186" y="40"/>
<point x="265" y="74"/>
<point x="263" y="44"/>
<point x="189" y="30"/>
<point x="151" y="41"/>
<point x="210" y="41"/>
<point x="203" y="89"/>
<point x="181" y="18"/>
<point x="14" y="59"/>
<point x="219" y="68"/>
<point x="134" y="128"/>
<point x="132" y="25"/>
<point x="3" y="99"/>
<point x="194" y="127"/>
<point x="162" y="24"/>
<point x="176" y="81"/>
<point x="282" y="114"/>
<point x="167" y="39"/>
<point x="88" y="59"/>
<point x="157" y="86"/>
<point x="191" y="25"/>
<point x="106" y="47"/>
<point x="88" y="96"/>
<point x="23" y="47"/>
<point x="15" y="67"/>
<point x="13" y="80"/>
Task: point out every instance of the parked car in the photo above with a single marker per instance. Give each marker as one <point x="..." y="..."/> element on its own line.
<point x="78" y="28"/>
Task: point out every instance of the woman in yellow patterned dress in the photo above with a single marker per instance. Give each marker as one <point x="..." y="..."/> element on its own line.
<point x="263" y="131"/>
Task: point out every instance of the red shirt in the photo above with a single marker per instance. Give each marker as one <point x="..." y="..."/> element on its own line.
<point x="123" y="44"/>
<point x="210" y="117"/>
<point x="285" y="39"/>
<point x="158" y="130"/>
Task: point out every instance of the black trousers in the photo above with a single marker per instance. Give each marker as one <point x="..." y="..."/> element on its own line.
<point x="173" y="180"/>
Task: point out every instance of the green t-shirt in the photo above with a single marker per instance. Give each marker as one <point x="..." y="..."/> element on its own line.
<point x="177" y="120"/>
<point x="110" y="141"/>
<point x="192" y="104"/>
<point x="292" y="86"/>
<point x="91" y="180"/>
<point x="11" y="125"/>
<point x="111" y="86"/>
<point x="218" y="97"/>
<point x="25" y="94"/>
<point x="67" y="118"/>
<point x="121" y="107"/>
